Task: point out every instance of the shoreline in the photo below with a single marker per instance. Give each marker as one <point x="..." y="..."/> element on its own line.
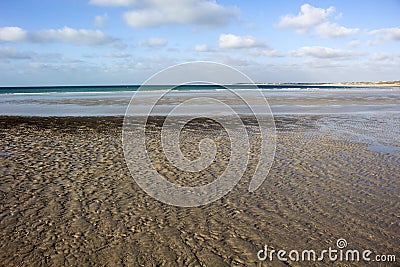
<point x="289" y="101"/>
<point x="116" y="122"/>
<point x="281" y="122"/>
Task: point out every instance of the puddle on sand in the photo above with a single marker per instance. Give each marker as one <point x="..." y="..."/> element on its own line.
<point x="383" y="148"/>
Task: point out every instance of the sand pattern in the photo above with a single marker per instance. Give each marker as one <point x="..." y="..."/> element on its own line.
<point x="67" y="197"/>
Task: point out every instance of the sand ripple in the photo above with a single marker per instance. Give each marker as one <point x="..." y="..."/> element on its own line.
<point x="67" y="198"/>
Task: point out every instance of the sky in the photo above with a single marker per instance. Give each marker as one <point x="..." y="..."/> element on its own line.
<point x="78" y="42"/>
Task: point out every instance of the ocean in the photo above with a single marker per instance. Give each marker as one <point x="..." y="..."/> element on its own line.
<point x="114" y="100"/>
<point x="129" y="88"/>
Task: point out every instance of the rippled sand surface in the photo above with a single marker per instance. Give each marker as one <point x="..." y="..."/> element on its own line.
<point x="67" y="197"/>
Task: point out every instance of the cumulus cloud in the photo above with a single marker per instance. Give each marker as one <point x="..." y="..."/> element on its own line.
<point x="12" y="34"/>
<point x="153" y="42"/>
<point x="64" y="35"/>
<point x="235" y="41"/>
<point x="392" y="34"/>
<point x="248" y="44"/>
<point x="324" y="52"/>
<point x="152" y="13"/>
<point x="308" y="17"/>
<point x="100" y="21"/>
<point x="332" y="30"/>
<point x="316" y="20"/>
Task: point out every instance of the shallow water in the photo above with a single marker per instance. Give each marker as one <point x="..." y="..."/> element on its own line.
<point x="316" y="101"/>
<point x="379" y="131"/>
<point x="383" y="148"/>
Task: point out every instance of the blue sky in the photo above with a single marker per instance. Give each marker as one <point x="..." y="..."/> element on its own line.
<point x="73" y="42"/>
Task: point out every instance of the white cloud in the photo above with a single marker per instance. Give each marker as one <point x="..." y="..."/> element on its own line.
<point x="264" y="52"/>
<point x="332" y="30"/>
<point x="353" y="43"/>
<point x="64" y="35"/>
<point x="235" y="41"/>
<point x="249" y="44"/>
<point x="308" y="17"/>
<point x="112" y="2"/>
<point x="386" y="57"/>
<point x="100" y="21"/>
<point x="236" y="61"/>
<point x="392" y="34"/>
<point x="12" y="34"/>
<point x="117" y="55"/>
<point x="314" y="18"/>
<point x="13" y="53"/>
<point x="339" y="16"/>
<point x="70" y="35"/>
<point x="317" y="63"/>
<point x="324" y="52"/>
<point x="153" y="42"/>
<point x="152" y="13"/>
<point x="202" y="48"/>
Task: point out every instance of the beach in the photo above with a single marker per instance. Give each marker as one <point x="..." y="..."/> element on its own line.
<point x="204" y="133"/>
<point x="68" y="198"/>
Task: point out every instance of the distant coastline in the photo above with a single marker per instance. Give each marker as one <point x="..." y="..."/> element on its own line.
<point x="380" y="83"/>
<point x="369" y="84"/>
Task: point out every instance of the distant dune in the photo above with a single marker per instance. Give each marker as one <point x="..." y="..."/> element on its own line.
<point x="380" y="83"/>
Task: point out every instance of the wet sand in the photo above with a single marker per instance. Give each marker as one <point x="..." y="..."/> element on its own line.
<point x="67" y="197"/>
